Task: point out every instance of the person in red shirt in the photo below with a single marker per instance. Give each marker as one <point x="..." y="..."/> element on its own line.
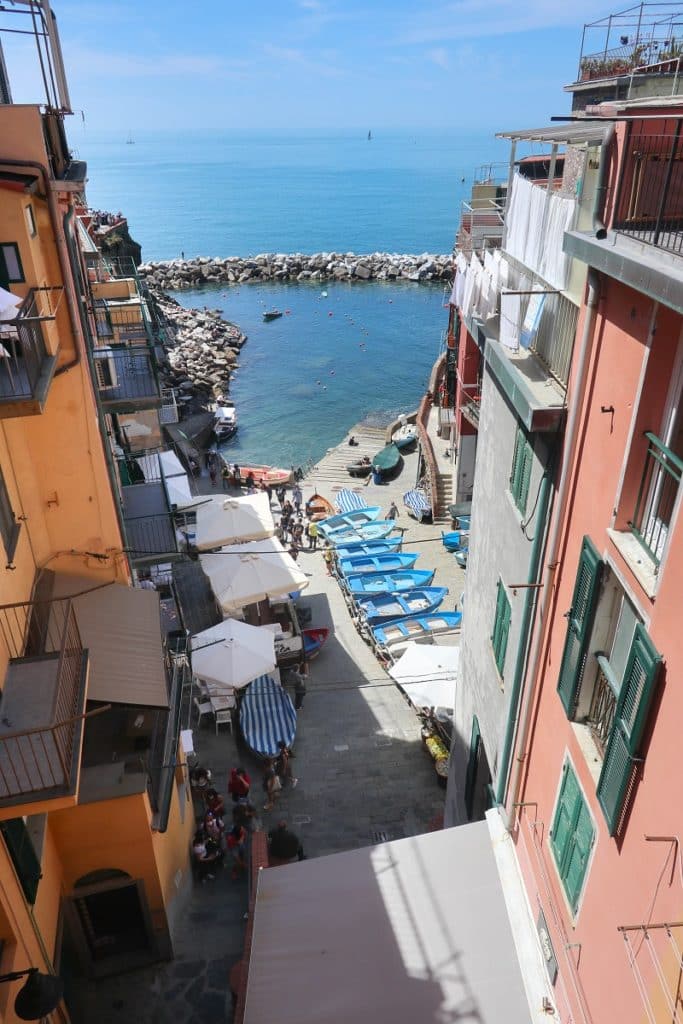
<point x="239" y="784"/>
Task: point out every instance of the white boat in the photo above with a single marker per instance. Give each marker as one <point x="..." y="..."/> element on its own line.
<point x="225" y="420"/>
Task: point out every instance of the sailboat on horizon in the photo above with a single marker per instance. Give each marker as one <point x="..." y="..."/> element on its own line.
<point x="369" y="136"/>
<point x="130" y="141"/>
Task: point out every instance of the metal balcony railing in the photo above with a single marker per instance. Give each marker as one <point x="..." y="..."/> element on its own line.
<point x="657" y="495"/>
<point x="22" y="350"/>
<point x="603" y="704"/>
<point x="126" y="374"/>
<point x="649" y="204"/>
<point x="470" y="403"/>
<point x="42" y="644"/>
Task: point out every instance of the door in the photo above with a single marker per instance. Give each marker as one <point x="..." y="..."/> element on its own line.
<point x="111" y="926"/>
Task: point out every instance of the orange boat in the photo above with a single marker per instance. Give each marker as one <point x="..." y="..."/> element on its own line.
<point x="266" y="474"/>
<point x="318" y="508"/>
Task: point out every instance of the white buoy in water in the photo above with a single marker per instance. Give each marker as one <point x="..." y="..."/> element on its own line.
<point x="323" y="295"/>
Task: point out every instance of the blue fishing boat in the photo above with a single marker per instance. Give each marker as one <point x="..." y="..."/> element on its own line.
<point x="389" y="607"/>
<point x="389" y="562"/>
<point x="456" y="540"/>
<point x="344" y="520"/>
<point x="417" y="627"/>
<point x="369" y="547"/>
<point x="267" y="716"/>
<point x="371" y="531"/>
<point x="388" y="582"/>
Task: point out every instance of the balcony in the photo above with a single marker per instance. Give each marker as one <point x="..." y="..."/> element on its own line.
<point x="42" y="704"/>
<point x="657" y="496"/>
<point x="119" y="321"/>
<point x="150" y="527"/>
<point x="603" y="704"/>
<point x="649" y="202"/>
<point x="126" y="378"/>
<point x="26" y="366"/>
<point x="470" y="404"/>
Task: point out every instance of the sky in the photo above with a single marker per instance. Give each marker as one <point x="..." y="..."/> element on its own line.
<point x="312" y="66"/>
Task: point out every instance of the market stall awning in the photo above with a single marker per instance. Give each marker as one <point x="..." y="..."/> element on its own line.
<point x="427" y="673"/>
<point x="233" y="521"/>
<point x="243" y="574"/>
<point x="233" y="653"/>
<point x="412" y="930"/>
<point x="121" y="628"/>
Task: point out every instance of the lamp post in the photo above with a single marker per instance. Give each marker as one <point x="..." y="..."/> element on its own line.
<point x="39" y="996"/>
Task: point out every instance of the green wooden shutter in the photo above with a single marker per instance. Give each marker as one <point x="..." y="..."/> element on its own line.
<point x="520" y="474"/>
<point x="501" y="627"/>
<point x="525" y="477"/>
<point x="472" y="762"/>
<point x="630" y="717"/>
<point x="572" y="835"/>
<point x="517" y="460"/>
<point x="580" y="621"/>
<point x="23" y="854"/>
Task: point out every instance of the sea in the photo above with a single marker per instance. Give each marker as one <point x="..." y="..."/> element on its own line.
<point x="341" y="353"/>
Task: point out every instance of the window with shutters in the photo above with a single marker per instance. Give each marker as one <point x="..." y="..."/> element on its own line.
<point x="572" y="836"/>
<point x="607" y="679"/>
<point x="9" y="527"/>
<point x="478" y="777"/>
<point x="501" y="628"/>
<point x="520" y="474"/>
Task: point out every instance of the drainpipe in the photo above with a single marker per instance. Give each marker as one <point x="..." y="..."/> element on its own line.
<point x="602" y="185"/>
<point x="570" y="438"/>
<point x="526" y="624"/>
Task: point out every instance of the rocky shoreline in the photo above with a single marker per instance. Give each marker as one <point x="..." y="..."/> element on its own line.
<point x="174" y="275"/>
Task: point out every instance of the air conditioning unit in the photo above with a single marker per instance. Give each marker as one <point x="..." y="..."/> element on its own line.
<point x="105" y="369"/>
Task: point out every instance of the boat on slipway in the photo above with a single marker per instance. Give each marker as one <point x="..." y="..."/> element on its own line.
<point x="318" y="508"/>
<point x="314" y="639"/>
<point x="387" y="582"/>
<point x="369" y="547"/>
<point x="363" y="467"/>
<point x="387" y="461"/>
<point x="272" y="475"/>
<point x="385" y="562"/>
<point x="350" y="535"/>
<point x="267" y="716"/>
<point x="389" y="607"/>
<point x="343" y="520"/>
<point x="421" y="628"/>
<point x="225" y="420"/>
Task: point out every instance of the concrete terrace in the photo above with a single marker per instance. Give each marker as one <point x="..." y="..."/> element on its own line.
<point x="364" y="776"/>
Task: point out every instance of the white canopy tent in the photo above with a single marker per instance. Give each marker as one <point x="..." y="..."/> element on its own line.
<point x="8" y="304"/>
<point x="233" y="521"/>
<point x="233" y="653"/>
<point x="243" y="574"/>
<point x="167" y="466"/>
<point x="428" y="673"/>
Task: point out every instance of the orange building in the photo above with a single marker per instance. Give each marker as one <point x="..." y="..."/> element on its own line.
<point x="95" y="815"/>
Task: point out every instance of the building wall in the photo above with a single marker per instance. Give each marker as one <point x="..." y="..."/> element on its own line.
<point x="628" y="880"/>
<point x="499" y="548"/>
<point x="171" y="850"/>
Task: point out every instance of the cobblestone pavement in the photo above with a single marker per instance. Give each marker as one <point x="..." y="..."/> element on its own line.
<point x="364" y="777"/>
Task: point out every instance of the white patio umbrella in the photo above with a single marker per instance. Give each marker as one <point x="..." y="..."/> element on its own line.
<point x="428" y="673"/>
<point x="233" y="521"/>
<point x="233" y="653"/>
<point x="244" y="574"/>
<point x="8" y="304"/>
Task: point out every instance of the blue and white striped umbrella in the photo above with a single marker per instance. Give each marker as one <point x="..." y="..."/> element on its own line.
<point x="347" y="501"/>
<point x="267" y="716"/>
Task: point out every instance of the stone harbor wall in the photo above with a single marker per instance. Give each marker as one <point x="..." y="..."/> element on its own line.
<point x="321" y="266"/>
<point x="200" y="350"/>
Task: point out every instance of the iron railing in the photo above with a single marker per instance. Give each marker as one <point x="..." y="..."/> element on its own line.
<point x="657" y="495"/>
<point x="22" y="352"/>
<point x="151" y="538"/>
<point x="126" y="372"/>
<point x="649" y="203"/>
<point x="603" y="704"/>
<point x="470" y="403"/>
<point x="41" y="758"/>
<point x="554" y="340"/>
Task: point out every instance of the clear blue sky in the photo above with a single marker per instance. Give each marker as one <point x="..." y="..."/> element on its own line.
<point x="298" y="66"/>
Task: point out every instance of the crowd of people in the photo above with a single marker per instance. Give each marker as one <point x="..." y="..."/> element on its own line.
<point x="214" y="840"/>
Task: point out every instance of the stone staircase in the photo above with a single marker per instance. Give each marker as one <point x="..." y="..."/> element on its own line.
<point x="444" y="490"/>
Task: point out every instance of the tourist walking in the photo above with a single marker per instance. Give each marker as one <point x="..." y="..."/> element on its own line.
<point x="328" y="556"/>
<point x="393" y="511"/>
<point x="283" y="765"/>
<point x="212" y="471"/>
<point x="312" y="535"/>
<point x="297" y="497"/>
<point x="271" y="784"/>
<point x="298" y="677"/>
<point x="281" y="496"/>
<point x="236" y="842"/>
<point x="283" y="844"/>
<point x="239" y="784"/>
<point x="225" y="476"/>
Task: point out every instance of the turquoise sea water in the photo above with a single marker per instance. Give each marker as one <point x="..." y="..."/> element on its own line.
<point x="220" y="196"/>
<point x="360" y="351"/>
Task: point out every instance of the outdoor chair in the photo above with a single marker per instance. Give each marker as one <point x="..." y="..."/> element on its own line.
<point x="203" y="707"/>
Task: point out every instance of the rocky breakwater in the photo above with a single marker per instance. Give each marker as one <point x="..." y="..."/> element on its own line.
<point x="322" y="266"/>
<point x="201" y="350"/>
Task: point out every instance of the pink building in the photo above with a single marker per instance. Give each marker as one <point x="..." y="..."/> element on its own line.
<point x="593" y="791"/>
